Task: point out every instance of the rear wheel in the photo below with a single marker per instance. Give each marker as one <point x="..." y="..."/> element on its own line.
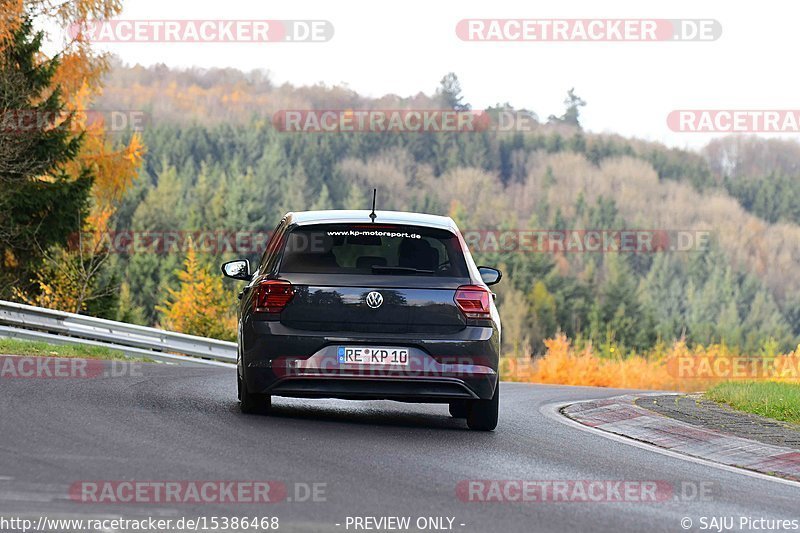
<point x="482" y="414"/>
<point x="253" y="404"/>
<point x="459" y="408"/>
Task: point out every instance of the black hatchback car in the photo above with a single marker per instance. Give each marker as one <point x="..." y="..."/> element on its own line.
<point x="343" y="305"/>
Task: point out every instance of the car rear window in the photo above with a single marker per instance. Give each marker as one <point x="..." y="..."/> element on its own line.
<point x="373" y="249"/>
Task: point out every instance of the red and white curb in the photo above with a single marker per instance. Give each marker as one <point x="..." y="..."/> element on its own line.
<point x="621" y="416"/>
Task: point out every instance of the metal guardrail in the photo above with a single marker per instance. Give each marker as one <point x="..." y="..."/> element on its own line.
<point x="37" y="323"/>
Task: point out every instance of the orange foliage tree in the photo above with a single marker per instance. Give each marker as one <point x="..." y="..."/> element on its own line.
<point x="200" y="305"/>
<point x="677" y="367"/>
<point x="67" y="281"/>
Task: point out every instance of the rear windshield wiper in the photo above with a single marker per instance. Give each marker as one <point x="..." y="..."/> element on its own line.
<point x="409" y="270"/>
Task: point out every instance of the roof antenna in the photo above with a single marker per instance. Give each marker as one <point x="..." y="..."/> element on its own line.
<point x="372" y="215"/>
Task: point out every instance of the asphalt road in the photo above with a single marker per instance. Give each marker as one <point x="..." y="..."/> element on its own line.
<point x="374" y="458"/>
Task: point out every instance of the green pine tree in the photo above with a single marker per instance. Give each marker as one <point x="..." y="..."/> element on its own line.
<point x="40" y="206"/>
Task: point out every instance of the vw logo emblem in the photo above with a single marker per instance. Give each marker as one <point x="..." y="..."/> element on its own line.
<point x="374" y="299"/>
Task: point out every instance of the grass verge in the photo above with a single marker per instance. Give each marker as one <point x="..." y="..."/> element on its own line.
<point x="780" y="401"/>
<point x="44" y="349"/>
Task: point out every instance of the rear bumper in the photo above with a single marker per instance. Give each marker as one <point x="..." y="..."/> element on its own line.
<point x="429" y="390"/>
<point x="285" y="362"/>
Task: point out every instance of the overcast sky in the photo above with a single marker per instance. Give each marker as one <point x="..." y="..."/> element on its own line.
<point x="405" y="47"/>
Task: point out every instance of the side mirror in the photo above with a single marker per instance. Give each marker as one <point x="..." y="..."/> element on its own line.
<point x="490" y="275"/>
<point x="239" y="269"/>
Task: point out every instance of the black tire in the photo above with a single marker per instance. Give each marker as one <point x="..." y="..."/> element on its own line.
<point x="459" y="408"/>
<point x="482" y="415"/>
<point x="253" y="404"/>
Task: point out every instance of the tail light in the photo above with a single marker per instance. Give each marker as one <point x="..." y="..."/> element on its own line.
<point x="474" y="301"/>
<point x="272" y="295"/>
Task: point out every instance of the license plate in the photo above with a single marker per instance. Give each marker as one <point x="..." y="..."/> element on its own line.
<point x="372" y="355"/>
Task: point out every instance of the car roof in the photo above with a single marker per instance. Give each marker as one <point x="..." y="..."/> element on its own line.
<point x="340" y="216"/>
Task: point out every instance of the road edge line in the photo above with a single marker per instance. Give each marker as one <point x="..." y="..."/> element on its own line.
<point x="553" y="412"/>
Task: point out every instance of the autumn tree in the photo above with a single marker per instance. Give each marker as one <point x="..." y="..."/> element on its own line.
<point x="66" y="86"/>
<point x="200" y="305"/>
<point x="42" y="202"/>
